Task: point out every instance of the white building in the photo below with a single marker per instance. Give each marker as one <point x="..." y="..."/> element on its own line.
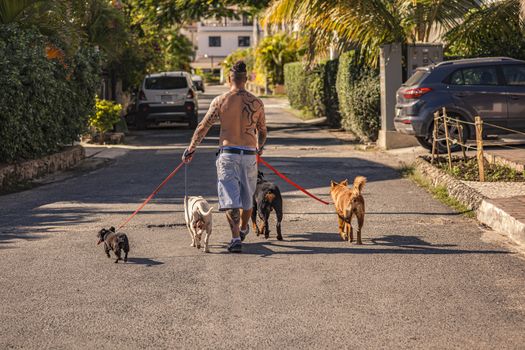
<point x="216" y="39"/>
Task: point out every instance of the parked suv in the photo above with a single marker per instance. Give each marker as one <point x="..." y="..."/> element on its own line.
<point x="165" y="97"/>
<point x="493" y="88"/>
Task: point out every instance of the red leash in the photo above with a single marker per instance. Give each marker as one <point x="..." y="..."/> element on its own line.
<point x="152" y="195"/>
<point x="260" y="160"/>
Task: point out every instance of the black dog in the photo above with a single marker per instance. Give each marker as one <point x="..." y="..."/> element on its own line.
<point x="115" y="242"/>
<point x="267" y="197"/>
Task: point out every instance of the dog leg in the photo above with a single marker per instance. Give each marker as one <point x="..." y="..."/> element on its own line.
<point x="266" y="229"/>
<point x="117" y="253"/>
<point x="278" y="227"/>
<point x="350" y="229"/>
<point x="254" y="221"/>
<point x="360" y="222"/>
<point x="341" y="228"/>
<point x="206" y="240"/>
<point x="126" y="256"/>
<point x="279" y="214"/>
<point x="106" y="249"/>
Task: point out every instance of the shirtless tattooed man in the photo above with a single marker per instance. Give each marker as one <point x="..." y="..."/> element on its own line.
<point x="243" y="134"/>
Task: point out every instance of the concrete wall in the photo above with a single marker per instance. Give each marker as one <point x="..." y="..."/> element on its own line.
<point x="229" y="39"/>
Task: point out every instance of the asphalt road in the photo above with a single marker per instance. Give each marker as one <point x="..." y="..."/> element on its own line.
<point x="426" y="277"/>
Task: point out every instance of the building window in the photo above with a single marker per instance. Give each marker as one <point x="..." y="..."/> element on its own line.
<point x="214" y="41"/>
<point x="244" y="41"/>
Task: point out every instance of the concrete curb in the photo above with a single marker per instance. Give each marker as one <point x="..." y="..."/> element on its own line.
<point x="501" y="221"/>
<point x="470" y="197"/>
<point x="30" y="170"/>
<point x="487" y="212"/>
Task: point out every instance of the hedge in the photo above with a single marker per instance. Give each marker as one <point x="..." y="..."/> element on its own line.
<point x="358" y="92"/>
<point x="295" y="83"/>
<point x="45" y="103"/>
<point x="313" y="90"/>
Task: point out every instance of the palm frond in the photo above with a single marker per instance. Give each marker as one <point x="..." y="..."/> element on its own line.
<point x="11" y="10"/>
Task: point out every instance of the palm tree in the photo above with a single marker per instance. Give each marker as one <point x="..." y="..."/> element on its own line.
<point x="370" y="23"/>
<point x="495" y="29"/>
<point x="12" y="10"/>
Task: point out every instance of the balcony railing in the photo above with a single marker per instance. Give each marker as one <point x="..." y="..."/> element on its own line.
<point x="226" y="22"/>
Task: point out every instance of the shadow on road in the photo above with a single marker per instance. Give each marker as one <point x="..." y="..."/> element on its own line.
<point x="144" y="261"/>
<point x="388" y="244"/>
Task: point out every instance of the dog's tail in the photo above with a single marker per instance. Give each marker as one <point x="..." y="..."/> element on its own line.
<point x="203" y="214"/>
<point x="359" y="184"/>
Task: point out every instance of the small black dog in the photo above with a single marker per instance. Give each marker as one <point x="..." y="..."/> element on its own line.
<point x="267" y="197"/>
<point x="115" y="242"/>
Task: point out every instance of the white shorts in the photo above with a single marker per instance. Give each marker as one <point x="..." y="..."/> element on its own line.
<point x="236" y="180"/>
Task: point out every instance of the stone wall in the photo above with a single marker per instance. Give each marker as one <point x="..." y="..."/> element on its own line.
<point x="465" y="194"/>
<point x="11" y="174"/>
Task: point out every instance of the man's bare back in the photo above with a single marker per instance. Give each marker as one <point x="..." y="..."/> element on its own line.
<point x="242" y="119"/>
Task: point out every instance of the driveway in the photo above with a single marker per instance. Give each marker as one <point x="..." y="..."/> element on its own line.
<point x="426" y="276"/>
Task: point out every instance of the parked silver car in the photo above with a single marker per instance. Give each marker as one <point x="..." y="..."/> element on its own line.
<point x="492" y="88"/>
<point x="165" y="97"/>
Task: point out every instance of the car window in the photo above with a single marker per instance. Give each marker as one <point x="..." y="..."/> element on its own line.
<point x="416" y="78"/>
<point x="480" y="76"/>
<point x="514" y="74"/>
<point x="456" y="78"/>
<point x="166" y="83"/>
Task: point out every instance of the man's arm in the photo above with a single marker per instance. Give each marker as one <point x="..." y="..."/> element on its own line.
<point x="262" y="132"/>
<point x="204" y="126"/>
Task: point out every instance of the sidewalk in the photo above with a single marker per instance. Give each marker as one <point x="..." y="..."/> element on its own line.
<point x="504" y="208"/>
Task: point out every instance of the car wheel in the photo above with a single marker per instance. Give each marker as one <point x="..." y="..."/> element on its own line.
<point x="194" y="121"/>
<point x="425" y="142"/>
<point x="453" y="134"/>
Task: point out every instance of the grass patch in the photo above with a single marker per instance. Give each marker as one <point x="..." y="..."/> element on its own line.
<point x="438" y="192"/>
<point x="468" y="170"/>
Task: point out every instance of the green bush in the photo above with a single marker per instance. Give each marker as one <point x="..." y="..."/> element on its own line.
<point x="45" y="103"/>
<point x="106" y="115"/>
<point x="314" y="90"/>
<point x="358" y="93"/>
<point x="295" y="84"/>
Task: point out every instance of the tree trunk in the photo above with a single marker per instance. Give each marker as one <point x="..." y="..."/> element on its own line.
<point x="522" y="11"/>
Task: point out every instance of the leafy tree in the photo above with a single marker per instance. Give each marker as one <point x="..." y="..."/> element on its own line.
<point x="273" y="52"/>
<point x="493" y="30"/>
<point x="245" y="55"/>
<point x="369" y="24"/>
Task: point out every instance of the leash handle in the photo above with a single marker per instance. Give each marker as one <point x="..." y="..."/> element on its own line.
<point x="152" y="195"/>
<point x="260" y="160"/>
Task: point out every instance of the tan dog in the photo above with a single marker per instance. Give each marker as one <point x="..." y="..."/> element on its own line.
<point x="197" y="213"/>
<point x="347" y="203"/>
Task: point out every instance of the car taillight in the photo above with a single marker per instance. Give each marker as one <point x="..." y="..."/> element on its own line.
<point x="142" y="96"/>
<point x="190" y="94"/>
<point x="415" y="93"/>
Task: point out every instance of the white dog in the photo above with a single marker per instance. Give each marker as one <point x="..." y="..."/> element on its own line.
<point x="197" y="213"/>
